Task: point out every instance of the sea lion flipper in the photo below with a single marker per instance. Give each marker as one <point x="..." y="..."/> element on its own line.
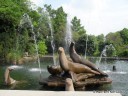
<point x="73" y="76"/>
<point x="8" y="79"/>
<point x="69" y="84"/>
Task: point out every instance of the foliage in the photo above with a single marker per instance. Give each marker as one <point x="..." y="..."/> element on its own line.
<point x="12" y="36"/>
<point x="15" y="40"/>
<point x="81" y="45"/>
<point x="117" y="41"/>
<point x="59" y="26"/>
<point x="124" y="53"/>
<point x="124" y="35"/>
<point x="13" y="55"/>
<point x="91" y="45"/>
<point x="99" y="44"/>
<point x="77" y="29"/>
<point x="42" y="48"/>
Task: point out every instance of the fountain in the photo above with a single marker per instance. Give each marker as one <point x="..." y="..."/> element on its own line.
<point x="80" y="77"/>
<point x="86" y="46"/>
<point x="52" y="38"/>
<point x="119" y="77"/>
<point x="68" y="36"/>
<point x="104" y="54"/>
<point x="26" y="22"/>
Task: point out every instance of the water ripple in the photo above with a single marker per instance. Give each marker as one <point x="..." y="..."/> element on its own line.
<point x="15" y="67"/>
<point x="37" y="69"/>
<point x="115" y="72"/>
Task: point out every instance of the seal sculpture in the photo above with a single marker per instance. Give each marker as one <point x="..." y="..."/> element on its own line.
<point x="69" y="85"/>
<point x="8" y="79"/>
<point x="81" y="76"/>
<point x="71" y="66"/>
<point x="63" y="60"/>
<point x="78" y="59"/>
<point x="54" y="70"/>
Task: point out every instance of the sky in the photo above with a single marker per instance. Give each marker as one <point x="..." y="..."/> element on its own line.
<point x="97" y="16"/>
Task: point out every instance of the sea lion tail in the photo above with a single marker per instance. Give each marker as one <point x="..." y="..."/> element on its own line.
<point x="103" y="74"/>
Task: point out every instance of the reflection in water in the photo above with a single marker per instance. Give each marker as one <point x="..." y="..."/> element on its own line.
<point x="115" y="72"/>
<point x="15" y="67"/>
<point x="37" y="69"/>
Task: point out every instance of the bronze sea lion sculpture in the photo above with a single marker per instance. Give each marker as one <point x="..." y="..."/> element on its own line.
<point x="78" y="59"/>
<point x="8" y="79"/>
<point x="71" y="66"/>
<point x="69" y="85"/>
<point x="54" y="70"/>
<point x="81" y="76"/>
<point x="63" y="60"/>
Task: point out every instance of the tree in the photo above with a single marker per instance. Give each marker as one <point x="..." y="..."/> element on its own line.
<point x="8" y="23"/>
<point x="77" y="29"/>
<point x="58" y="22"/>
<point x="124" y="35"/>
<point x="116" y="40"/>
<point x="11" y="12"/>
<point x="59" y="26"/>
<point x="81" y="45"/>
<point x="42" y="48"/>
<point x="100" y="43"/>
<point x="91" y="45"/>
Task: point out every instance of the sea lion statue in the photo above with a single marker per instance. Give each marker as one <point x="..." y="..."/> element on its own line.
<point x="71" y="66"/>
<point x="8" y="79"/>
<point x="81" y="76"/>
<point x="69" y="85"/>
<point x="54" y="69"/>
<point x="78" y="59"/>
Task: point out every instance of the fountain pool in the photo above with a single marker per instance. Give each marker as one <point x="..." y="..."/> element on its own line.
<point x="30" y="74"/>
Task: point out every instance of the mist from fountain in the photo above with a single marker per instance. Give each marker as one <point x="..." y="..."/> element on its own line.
<point x="15" y="67"/>
<point x="68" y="36"/>
<point x="27" y="22"/>
<point x="37" y="69"/>
<point x="86" y="47"/>
<point x="104" y="54"/>
<point x="52" y="38"/>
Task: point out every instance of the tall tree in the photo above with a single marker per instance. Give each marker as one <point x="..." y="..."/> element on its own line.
<point x="58" y="20"/>
<point x="10" y="14"/>
<point x="124" y="35"/>
<point x="100" y="44"/>
<point x="116" y="40"/>
<point x="77" y="29"/>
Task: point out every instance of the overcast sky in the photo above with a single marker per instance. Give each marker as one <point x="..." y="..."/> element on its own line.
<point x="97" y="16"/>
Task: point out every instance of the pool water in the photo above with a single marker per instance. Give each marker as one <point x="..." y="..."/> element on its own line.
<point x="29" y="76"/>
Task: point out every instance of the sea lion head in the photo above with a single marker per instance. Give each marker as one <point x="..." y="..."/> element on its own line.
<point x="54" y="70"/>
<point x="63" y="59"/>
<point x="68" y="81"/>
<point x="8" y="79"/>
<point x="72" y="47"/>
<point x="69" y="84"/>
<point x="10" y="68"/>
<point x="61" y="49"/>
<point x="72" y="44"/>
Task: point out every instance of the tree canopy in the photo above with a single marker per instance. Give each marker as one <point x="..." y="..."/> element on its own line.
<point x="17" y="35"/>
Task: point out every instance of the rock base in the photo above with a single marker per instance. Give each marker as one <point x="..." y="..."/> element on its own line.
<point x="59" y="81"/>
